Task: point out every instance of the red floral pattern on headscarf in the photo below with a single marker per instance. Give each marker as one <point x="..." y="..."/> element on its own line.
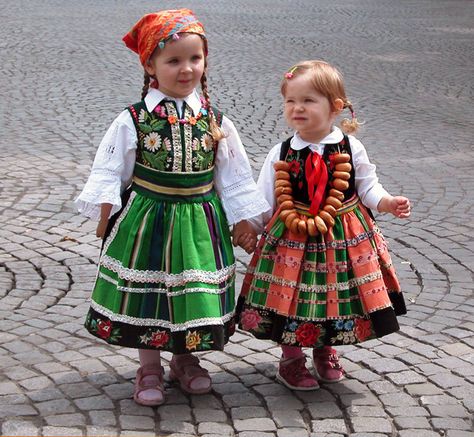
<point x="153" y="28"/>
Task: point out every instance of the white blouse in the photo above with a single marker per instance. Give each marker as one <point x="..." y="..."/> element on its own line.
<point x="114" y="162"/>
<point x="367" y="184"/>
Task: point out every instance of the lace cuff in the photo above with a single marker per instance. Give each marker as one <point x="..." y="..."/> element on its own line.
<point x="101" y="187"/>
<point x="242" y="201"/>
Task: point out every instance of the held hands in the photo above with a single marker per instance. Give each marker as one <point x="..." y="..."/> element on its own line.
<point x="399" y="206"/>
<point x="244" y="235"/>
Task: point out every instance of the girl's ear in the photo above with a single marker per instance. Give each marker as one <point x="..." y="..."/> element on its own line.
<point x="149" y="68"/>
<point x="338" y="105"/>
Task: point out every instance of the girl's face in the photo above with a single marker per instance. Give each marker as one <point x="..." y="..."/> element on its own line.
<point x="179" y="66"/>
<point x="307" y="111"/>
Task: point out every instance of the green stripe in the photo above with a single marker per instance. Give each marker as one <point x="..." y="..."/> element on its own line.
<point x="175" y="180"/>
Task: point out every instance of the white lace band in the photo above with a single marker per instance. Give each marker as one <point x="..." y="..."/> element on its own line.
<point x="169" y="279"/>
<point x="165" y="290"/>
<point x="173" y="327"/>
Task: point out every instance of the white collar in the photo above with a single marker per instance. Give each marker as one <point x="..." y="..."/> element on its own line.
<point x="336" y="136"/>
<point x="155" y="96"/>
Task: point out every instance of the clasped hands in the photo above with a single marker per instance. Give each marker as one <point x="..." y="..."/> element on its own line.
<point x="244" y="235"/>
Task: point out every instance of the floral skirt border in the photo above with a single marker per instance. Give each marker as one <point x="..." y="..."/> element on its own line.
<point x="198" y="339"/>
<point x="268" y="325"/>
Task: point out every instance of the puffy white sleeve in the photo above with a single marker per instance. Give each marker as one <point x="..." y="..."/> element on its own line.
<point x="266" y="186"/>
<point x="367" y="183"/>
<point x="112" y="169"/>
<point x="233" y="178"/>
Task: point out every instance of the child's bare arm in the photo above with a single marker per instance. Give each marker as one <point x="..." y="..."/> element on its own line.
<point x="399" y="206"/>
<point x="105" y="209"/>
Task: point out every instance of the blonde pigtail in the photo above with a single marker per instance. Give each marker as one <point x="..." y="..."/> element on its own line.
<point x="215" y="131"/>
<point x="350" y="126"/>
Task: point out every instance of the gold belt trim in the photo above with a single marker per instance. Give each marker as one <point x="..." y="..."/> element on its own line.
<point x="346" y="207"/>
<point x="173" y="190"/>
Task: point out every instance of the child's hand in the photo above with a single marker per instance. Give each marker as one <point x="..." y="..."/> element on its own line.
<point x="101" y="227"/>
<point x="244" y="235"/>
<point x="399" y="206"/>
<point x="248" y="242"/>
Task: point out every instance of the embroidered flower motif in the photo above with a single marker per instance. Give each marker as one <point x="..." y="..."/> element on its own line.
<point x="292" y="326"/>
<point x="307" y="334"/>
<point x="348" y="325"/>
<point x="339" y="324"/>
<point x="295" y="167"/>
<point x="159" y="338"/>
<point x="363" y="329"/>
<point x="250" y="319"/>
<point x="207" y="142"/>
<point x="192" y="120"/>
<point x="152" y="142"/>
<point x="193" y="340"/>
<point x="142" y="116"/>
<point x="104" y="329"/>
<point x="288" y="338"/>
<point x="172" y="119"/>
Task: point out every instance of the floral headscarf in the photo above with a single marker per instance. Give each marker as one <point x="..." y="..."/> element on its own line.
<point x="153" y="29"/>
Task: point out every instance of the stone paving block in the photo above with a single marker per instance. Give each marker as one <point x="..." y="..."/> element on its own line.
<point x="14" y="410"/>
<point x="100" y="402"/>
<point x="329" y="426"/>
<point x="220" y="429"/>
<point x="288" y="419"/>
<point x="406" y="377"/>
<point x="414" y="422"/>
<point x="455" y="410"/>
<point x="238" y="399"/>
<point x="371" y="424"/>
<point x="61" y="431"/>
<point x="45" y="394"/>
<point x="16" y="427"/>
<point x="423" y="389"/>
<point x="66" y="420"/>
<point x="99" y="431"/>
<point x="418" y="433"/>
<point x="293" y="432"/>
<point x="254" y="424"/>
<point x="365" y="411"/>
<point x="103" y="418"/>
<point x="176" y="426"/>
<point x="136" y="422"/>
<point x="324" y="410"/>
<point x="452" y="423"/>
<point x="209" y="415"/>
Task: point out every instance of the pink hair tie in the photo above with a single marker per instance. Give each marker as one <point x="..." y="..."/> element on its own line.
<point x="291" y="73"/>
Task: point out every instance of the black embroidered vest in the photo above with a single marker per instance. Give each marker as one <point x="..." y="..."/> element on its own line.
<point x="166" y="144"/>
<point x="297" y="159"/>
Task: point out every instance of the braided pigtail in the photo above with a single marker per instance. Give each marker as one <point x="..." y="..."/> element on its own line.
<point x="350" y="126"/>
<point x="146" y="84"/>
<point x="215" y="131"/>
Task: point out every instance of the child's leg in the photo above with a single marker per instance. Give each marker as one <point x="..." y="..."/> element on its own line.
<point x="149" y="381"/>
<point x="326" y="364"/>
<point x="292" y="370"/>
<point x="192" y="377"/>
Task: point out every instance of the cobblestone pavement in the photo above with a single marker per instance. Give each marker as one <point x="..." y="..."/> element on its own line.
<point x="64" y="75"/>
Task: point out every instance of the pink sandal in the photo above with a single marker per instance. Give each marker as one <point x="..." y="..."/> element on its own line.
<point x="149" y="389"/>
<point x="326" y="365"/>
<point x="293" y="373"/>
<point x="186" y="369"/>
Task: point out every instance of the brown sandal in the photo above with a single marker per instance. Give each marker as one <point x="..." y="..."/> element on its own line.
<point x="185" y="370"/>
<point x="149" y="379"/>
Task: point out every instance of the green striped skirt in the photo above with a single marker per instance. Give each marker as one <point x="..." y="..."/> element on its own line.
<point x="166" y="272"/>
